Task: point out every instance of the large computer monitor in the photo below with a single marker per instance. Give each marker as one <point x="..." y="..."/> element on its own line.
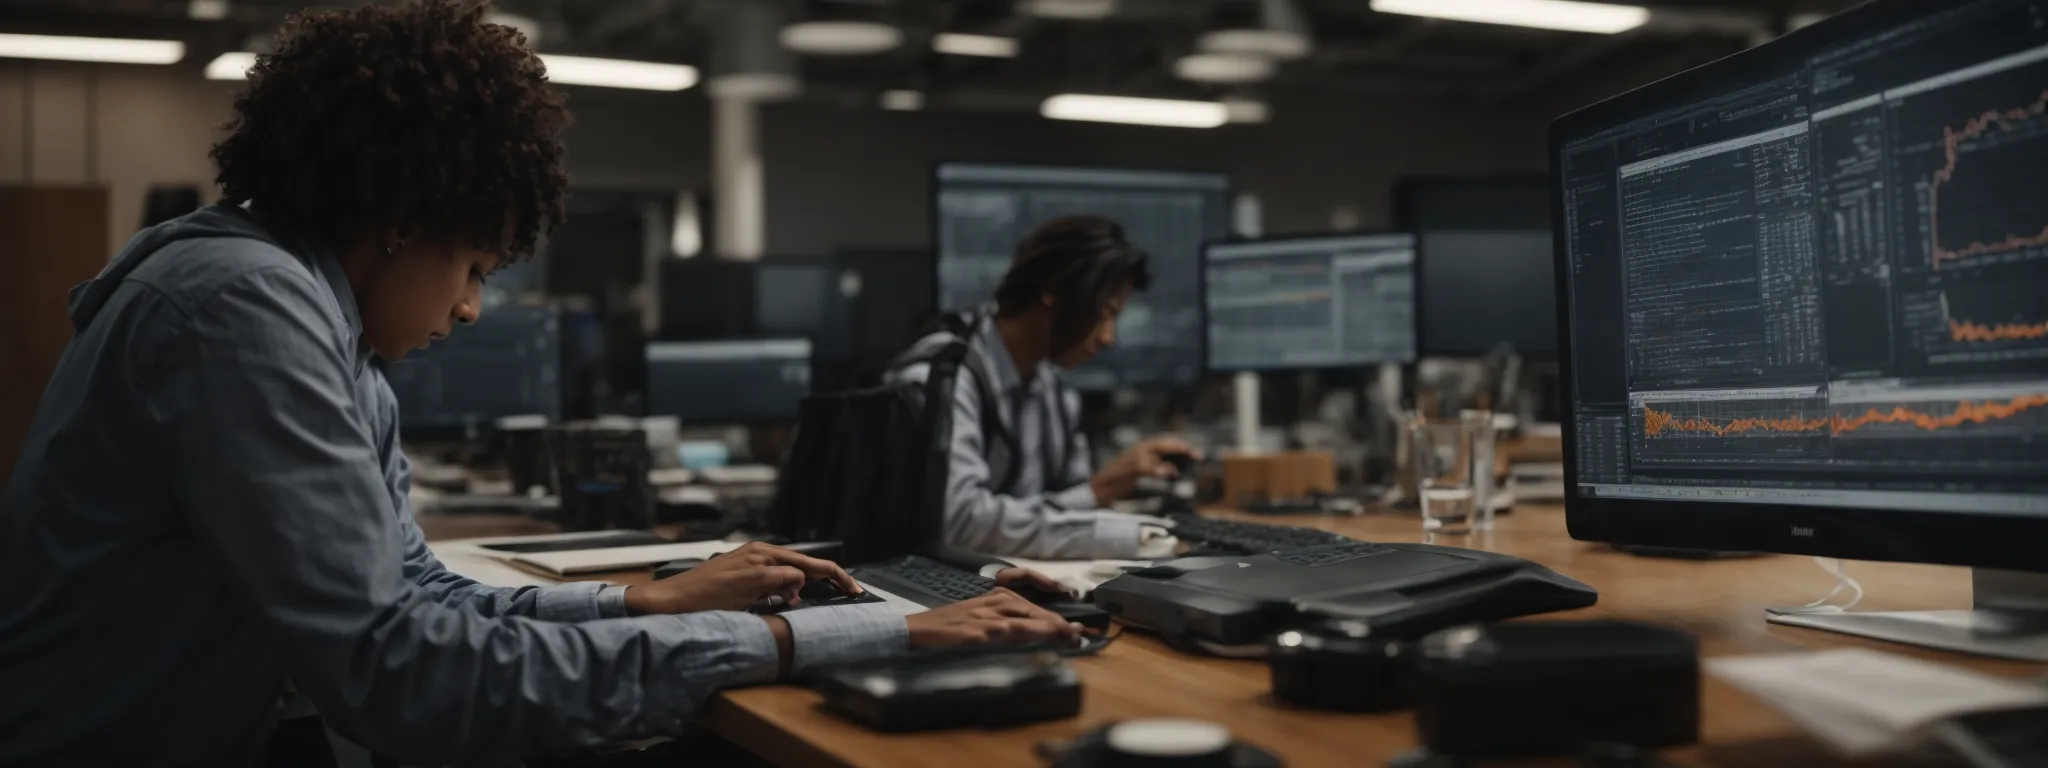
<point x="807" y="297"/>
<point x="1309" y="302"/>
<point x="728" y="381"/>
<point x="508" y="364"/>
<point x="1806" y="304"/>
<point x="1481" y="242"/>
<point x="984" y="211"/>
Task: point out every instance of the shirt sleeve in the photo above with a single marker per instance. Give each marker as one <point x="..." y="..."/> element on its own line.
<point x="580" y="601"/>
<point x="278" y="475"/>
<point x="1064" y="525"/>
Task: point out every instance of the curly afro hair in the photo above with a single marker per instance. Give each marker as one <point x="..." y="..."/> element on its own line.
<point x="418" y="118"/>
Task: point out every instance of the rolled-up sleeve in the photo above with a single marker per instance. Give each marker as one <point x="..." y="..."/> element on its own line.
<point x="278" y="472"/>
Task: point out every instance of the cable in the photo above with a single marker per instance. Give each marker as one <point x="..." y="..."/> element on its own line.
<point x="1843" y="582"/>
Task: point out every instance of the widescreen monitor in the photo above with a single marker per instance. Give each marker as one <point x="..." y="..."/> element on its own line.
<point x="728" y="381"/>
<point x="1806" y="304"/>
<point x="983" y="211"/>
<point x="509" y="363"/>
<point x="1309" y="302"/>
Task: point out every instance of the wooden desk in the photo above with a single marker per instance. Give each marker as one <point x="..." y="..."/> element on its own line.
<point x="1721" y="602"/>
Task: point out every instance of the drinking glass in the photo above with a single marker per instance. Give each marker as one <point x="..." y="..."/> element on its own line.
<point x="1453" y="462"/>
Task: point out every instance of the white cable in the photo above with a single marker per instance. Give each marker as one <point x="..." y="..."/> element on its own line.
<point x="1843" y="582"/>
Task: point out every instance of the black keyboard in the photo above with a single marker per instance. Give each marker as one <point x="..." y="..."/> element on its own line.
<point x="1210" y="535"/>
<point x="930" y="576"/>
<point x="1331" y="554"/>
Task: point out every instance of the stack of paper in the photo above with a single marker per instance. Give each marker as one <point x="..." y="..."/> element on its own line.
<point x="1863" y="702"/>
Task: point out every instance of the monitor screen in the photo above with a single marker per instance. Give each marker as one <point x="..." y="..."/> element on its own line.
<point x="1311" y="302"/>
<point x="507" y="364"/>
<point x="804" y="297"/>
<point x="733" y="381"/>
<point x="1482" y="243"/>
<point x="984" y="211"/>
<point x="1816" y="275"/>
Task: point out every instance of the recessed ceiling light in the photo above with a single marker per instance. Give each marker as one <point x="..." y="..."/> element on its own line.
<point x="1271" y="43"/>
<point x="1241" y="110"/>
<point x="1134" y="111"/>
<point x="207" y="10"/>
<point x="754" y="86"/>
<point x="1223" y="68"/>
<point x="1082" y="10"/>
<point x="958" y="44"/>
<point x="233" y="65"/>
<point x="106" y="50"/>
<point x="841" y="38"/>
<point x="903" y="100"/>
<point x="1567" y="15"/>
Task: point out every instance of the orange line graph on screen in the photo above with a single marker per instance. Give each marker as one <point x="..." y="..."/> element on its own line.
<point x="2004" y="120"/>
<point x="1656" y="423"/>
<point x="1966" y="331"/>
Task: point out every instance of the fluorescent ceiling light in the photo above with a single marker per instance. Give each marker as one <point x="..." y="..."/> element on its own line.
<point x="841" y="38"/>
<point x="755" y="86"/>
<point x="958" y="44"/>
<point x="233" y="65"/>
<point x="1082" y="10"/>
<point x="1223" y="68"/>
<point x="207" y="10"/>
<point x="1245" y="110"/>
<point x="1567" y="15"/>
<point x="903" y="100"/>
<point x="618" y="73"/>
<point x="1135" y="111"/>
<point x="106" y="50"/>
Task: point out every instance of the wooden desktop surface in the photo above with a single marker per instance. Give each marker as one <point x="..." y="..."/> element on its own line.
<point x="1721" y="602"/>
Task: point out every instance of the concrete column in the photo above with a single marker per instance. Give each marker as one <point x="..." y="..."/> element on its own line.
<point x="737" y="187"/>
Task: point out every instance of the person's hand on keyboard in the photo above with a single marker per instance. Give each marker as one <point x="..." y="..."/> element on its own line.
<point x="999" y="617"/>
<point x="735" y="580"/>
<point x="1146" y="459"/>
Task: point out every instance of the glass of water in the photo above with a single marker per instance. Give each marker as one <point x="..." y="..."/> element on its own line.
<point x="1453" y="463"/>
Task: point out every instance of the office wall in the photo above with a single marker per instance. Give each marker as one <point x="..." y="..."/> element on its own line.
<point x="862" y="176"/>
<point x="835" y="176"/>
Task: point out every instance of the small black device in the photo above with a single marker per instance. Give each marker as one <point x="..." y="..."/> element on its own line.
<point x="1225" y="603"/>
<point x="1213" y="536"/>
<point x="1340" y="665"/>
<point x="922" y="693"/>
<point x="605" y="540"/>
<point x="816" y="593"/>
<point x="1158" y="743"/>
<point x="1555" y="688"/>
<point x="676" y="567"/>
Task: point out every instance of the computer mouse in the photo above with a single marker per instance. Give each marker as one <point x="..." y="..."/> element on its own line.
<point x="1036" y="595"/>
<point x="819" y="591"/>
<point x="1183" y="463"/>
<point x="1084" y="614"/>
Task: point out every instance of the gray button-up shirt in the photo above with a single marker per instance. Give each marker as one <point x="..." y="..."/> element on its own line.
<point x="1045" y="509"/>
<point x="208" y="503"/>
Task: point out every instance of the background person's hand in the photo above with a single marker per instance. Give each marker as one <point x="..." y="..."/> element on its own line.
<point x="1146" y="459"/>
<point x="735" y="580"/>
<point x="999" y="617"/>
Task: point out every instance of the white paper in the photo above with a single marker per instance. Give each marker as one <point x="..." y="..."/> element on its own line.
<point x="1080" y="576"/>
<point x="621" y="558"/>
<point x="1863" y="702"/>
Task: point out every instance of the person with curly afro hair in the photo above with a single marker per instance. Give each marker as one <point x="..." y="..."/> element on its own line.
<point x="208" y="524"/>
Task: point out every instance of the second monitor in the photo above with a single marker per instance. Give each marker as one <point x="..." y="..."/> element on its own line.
<point x="737" y="381"/>
<point x="1310" y="302"/>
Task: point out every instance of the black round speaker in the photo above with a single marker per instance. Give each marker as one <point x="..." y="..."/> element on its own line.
<point x="1342" y="666"/>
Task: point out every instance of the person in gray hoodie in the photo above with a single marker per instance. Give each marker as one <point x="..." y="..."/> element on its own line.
<point x="209" y="502"/>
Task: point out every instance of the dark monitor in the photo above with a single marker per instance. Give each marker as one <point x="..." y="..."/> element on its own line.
<point x="728" y="381"/>
<point x="1310" y="302"/>
<point x="1481" y="244"/>
<point x="892" y="296"/>
<point x="508" y="364"/>
<point x="804" y="297"/>
<point x="1806" y="306"/>
<point x="984" y="211"/>
<point x="707" y="298"/>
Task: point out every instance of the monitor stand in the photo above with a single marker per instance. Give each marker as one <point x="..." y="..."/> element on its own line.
<point x="2010" y="620"/>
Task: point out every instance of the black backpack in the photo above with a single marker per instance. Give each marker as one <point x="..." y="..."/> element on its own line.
<point x="868" y="467"/>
